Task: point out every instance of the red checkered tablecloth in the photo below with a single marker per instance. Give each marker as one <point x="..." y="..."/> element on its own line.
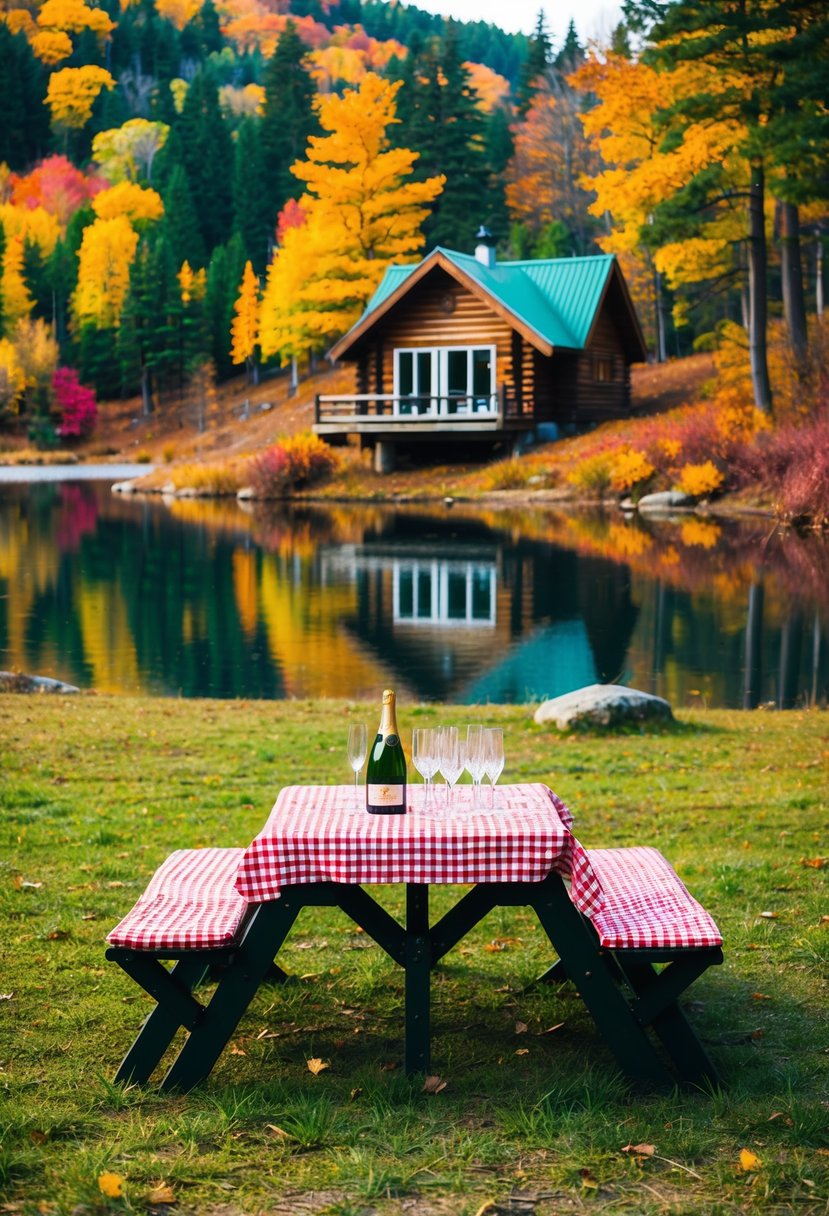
<point x="324" y="834"/>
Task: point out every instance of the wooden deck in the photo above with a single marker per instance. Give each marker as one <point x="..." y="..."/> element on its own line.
<point x="379" y="416"/>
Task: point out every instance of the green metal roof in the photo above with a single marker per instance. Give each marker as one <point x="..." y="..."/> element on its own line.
<point x="555" y="297"/>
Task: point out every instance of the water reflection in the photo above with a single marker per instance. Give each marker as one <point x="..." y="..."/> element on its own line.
<point x="200" y="599"/>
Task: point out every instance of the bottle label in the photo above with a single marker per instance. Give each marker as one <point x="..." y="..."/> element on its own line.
<point x="385" y="794"/>
<point x="391" y="740"/>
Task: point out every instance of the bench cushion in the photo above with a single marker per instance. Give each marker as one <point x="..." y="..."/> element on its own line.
<point x="190" y="903"/>
<point x="646" y="904"/>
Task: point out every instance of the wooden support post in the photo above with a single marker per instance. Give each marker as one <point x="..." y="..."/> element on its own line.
<point x="418" y="968"/>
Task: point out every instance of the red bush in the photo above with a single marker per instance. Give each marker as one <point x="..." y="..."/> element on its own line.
<point x="76" y="404"/>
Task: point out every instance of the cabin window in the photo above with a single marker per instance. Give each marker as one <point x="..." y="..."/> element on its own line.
<point x="602" y="368"/>
<point x="445" y="380"/>
<point x="444" y="593"/>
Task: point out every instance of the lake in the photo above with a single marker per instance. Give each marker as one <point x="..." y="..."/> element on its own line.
<point x="201" y="599"/>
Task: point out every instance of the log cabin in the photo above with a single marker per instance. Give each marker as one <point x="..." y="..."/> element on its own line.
<point x="468" y="349"/>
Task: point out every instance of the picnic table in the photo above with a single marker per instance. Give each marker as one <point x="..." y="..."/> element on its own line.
<point x="613" y="917"/>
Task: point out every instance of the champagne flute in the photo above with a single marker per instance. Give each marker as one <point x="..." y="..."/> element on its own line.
<point x="425" y="757"/>
<point x="451" y="758"/>
<point x="493" y="749"/>
<point x="357" y="749"/>
<point x="475" y="760"/>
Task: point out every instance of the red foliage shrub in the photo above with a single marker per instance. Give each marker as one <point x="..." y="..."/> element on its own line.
<point x="790" y="463"/>
<point x="268" y="473"/>
<point x="76" y="404"/>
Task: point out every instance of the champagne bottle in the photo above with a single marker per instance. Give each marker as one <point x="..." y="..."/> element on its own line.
<point x="386" y="768"/>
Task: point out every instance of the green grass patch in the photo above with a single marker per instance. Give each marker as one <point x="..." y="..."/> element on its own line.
<point x="96" y="791"/>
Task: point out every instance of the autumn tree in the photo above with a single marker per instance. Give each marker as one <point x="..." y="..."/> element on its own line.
<point x="72" y="92"/>
<point x="244" y="330"/>
<point x="362" y="214"/>
<point x="129" y="151"/>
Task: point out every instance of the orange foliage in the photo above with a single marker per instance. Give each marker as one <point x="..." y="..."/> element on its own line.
<point x="56" y="186"/>
<point x="492" y="89"/>
<point x="350" y="54"/>
<point x="261" y="30"/>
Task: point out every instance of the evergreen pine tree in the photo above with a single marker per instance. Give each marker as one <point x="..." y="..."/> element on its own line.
<point x="24" y="116"/>
<point x="440" y="119"/>
<point x="252" y="216"/>
<point x="207" y="155"/>
<point x="539" y="58"/>
<point x="571" y="53"/>
<point x="223" y="277"/>
<point x="288" y="117"/>
<point x="181" y="223"/>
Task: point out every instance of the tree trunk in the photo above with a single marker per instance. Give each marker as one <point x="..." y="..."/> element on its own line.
<point x="294" y="377"/>
<point x="794" y="303"/>
<point x="758" y="291"/>
<point x="819" y="275"/>
<point x="146" y="392"/>
<point x="659" y="300"/>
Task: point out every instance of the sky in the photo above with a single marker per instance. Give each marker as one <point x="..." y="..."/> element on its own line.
<point x="592" y="17"/>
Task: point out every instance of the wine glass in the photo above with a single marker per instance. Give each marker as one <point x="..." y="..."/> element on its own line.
<point x="425" y="757"/>
<point x="475" y="760"/>
<point x="493" y="749"/>
<point x="357" y="749"/>
<point x="451" y="762"/>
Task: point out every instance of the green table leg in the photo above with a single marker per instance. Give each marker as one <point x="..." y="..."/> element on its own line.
<point x="265" y="933"/>
<point x="593" y="974"/>
<point x="159" y="1028"/>
<point x="418" y="965"/>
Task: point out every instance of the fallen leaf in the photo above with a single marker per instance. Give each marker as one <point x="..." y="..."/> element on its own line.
<point x="6" y="996"/>
<point x="770" y="915"/>
<point x="434" y="1085"/>
<point x="161" y="1193"/>
<point x="552" y="1029"/>
<point x="355" y="1093"/>
<point x="523" y="1051"/>
<point x="111" y="1185"/>
<point x="89" y="916"/>
<point x="389" y="1066"/>
<point x="316" y="1066"/>
<point x="814" y="863"/>
<point x="761" y="996"/>
<point x="27" y="886"/>
<point x="758" y="1033"/>
<point x="587" y="1180"/>
<point x="236" y="1050"/>
<point x="824" y="920"/>
<point x="779" y="1114"/>
<point x="37" y="1137"/>
<point x="749" y="1161"/>
<point x="488" y="1206"/>
<point x="58" y="935"/>
<point x="520" y="1027"/>
<point x="642" y="1150"/>
<point x="277" y="1131"/>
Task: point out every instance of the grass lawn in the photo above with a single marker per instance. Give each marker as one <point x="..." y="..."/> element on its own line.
<point x="533" y="1119"/>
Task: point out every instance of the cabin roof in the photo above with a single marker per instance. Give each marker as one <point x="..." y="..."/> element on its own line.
<point x="552" y="301"/>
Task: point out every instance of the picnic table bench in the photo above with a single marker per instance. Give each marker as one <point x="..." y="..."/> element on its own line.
<point x="627" y="932"/>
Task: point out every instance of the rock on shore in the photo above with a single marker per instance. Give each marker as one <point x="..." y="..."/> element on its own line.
<point x="603" y="705"/>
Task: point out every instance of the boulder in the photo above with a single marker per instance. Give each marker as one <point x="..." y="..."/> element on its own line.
<point x="665" y="500"/>
<point x="603" y="705"/>
<point x="17" y="681"/>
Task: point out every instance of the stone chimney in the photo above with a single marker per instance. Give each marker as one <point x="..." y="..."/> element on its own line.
<point x="485" y="247"/>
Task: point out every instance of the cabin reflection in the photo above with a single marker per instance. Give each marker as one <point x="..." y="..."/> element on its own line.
<point x="474" y="615"/>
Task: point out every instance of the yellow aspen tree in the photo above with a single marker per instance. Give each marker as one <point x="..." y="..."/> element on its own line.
<point x="104" y="260"/>
<point x="127" y="152"/>
<point x="72" y="92"/>
<point x="129" y="199"/>
<point x="244" y="329"/>
<point x="73" y="16"/>
<point x="17" y="302"/>
<point x="361" y="215"/>
<point x="32" y="225"/>
<point x="12" y="378"/>
<point x="51" y="46"/>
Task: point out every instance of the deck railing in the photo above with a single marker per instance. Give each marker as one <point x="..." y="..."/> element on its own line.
<point x="344" y="407"/>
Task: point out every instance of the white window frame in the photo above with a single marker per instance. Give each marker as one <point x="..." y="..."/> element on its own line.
<point x="439" y="404"/>
<point x="435" y="612"/>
